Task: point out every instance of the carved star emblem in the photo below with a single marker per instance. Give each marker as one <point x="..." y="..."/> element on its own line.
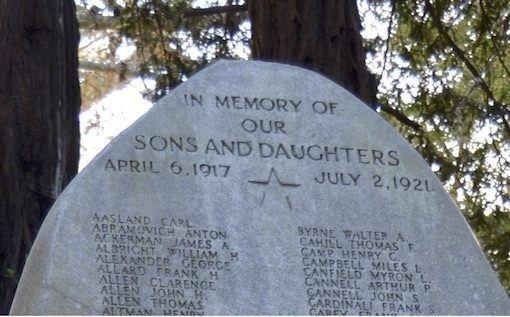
<point x="274" y="181"/>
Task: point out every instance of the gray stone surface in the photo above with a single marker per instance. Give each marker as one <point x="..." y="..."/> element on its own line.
<point x="258" y="188"/>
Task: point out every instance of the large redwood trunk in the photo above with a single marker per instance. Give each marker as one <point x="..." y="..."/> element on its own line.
<point x="321" y="35"/>
<point x="39" y="132"/>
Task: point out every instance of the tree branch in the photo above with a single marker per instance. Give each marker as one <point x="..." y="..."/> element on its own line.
<point x="120" y="68"/>
<point x="457" y="50"/>
<point x="388" y="39"/>
<point x="91" y="21"/>
<point x="215" y="10"/>
<point x="498" y="50"/>
<point x="497" y="108"/>
<point x="401" y="117"/>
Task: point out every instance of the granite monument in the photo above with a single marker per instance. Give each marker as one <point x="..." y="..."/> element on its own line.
<point x="258" y="188"/>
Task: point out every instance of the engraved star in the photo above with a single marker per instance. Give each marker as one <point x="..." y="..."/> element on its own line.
<point x="270" y="180"/>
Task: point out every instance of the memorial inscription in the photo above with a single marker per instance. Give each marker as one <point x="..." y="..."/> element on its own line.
<point x="361" y="272"/>
<point x="128" y="257"/>
<point x="257" y="188"/>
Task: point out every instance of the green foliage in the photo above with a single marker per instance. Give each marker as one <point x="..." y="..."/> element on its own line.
<point x="170" y="46"/>
<point x="445" y="66"/>
<point x="457" y="55"/>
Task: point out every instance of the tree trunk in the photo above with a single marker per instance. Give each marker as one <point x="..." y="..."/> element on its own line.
<point x="39" y="128"/>
<point x="321" y="35"/>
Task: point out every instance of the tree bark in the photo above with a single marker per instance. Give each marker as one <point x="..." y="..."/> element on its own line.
<point x="321" y="35"/>
<point x="39" y="128"/>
